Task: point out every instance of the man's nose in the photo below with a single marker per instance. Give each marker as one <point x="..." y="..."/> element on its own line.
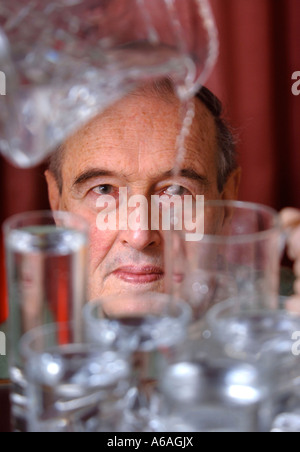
<point x="138" y="232"/>
<point x="140" y="240"/>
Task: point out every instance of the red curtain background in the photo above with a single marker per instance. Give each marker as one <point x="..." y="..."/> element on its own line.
<point x="259" y="51"/>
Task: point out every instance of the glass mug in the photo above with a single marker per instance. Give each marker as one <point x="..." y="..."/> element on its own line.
<point x="238" y="256"/>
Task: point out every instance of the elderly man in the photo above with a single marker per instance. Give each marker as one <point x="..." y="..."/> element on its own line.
<point x="133" y="145"/>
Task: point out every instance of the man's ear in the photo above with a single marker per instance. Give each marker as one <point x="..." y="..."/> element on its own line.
<point x="232" y="186"/>
<point x="53" y="191"/>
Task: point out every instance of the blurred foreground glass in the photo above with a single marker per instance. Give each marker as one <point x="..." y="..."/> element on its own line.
<point x="212" y="394"/>
<point x="269" y="339"/>
<point x="66" y="61"/>
<point x="46" y="261"/>
<point x="239" y="255"/>
<point x="151" y="329"/>
<point x="72" y="386"/>
<point x="240" y="375"/>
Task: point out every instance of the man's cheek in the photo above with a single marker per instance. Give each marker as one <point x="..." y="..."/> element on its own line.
<point x="91" y="217"/>
<point x="101" y="243"/>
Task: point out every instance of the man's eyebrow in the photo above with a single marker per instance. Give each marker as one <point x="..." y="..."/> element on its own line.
<point x="98" y="172"/>
<point x="188" y="174"/>
<point x="92" y="174"/>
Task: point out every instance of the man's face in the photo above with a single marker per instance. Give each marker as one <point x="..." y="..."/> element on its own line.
<point x="133" y="146"/>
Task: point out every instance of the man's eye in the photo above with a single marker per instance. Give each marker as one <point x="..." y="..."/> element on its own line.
<point x="176" y="190"/>
<point x="104" y="190"/>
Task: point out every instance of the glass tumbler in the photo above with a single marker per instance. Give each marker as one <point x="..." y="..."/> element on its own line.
<point x="46" y="260"/>
<point x="72" y="385"/>
<point x="212" y="393"/>
<point x="151" y="328"/>
<point x="269" y="340"/>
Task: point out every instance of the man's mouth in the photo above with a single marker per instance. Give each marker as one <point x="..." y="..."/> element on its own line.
<point x="139" y="275"/>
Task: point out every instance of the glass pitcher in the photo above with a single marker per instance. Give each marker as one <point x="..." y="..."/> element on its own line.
<point x="63" y="62"/>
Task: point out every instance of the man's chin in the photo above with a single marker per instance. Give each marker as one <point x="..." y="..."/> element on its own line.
<point x="117" y="286"/>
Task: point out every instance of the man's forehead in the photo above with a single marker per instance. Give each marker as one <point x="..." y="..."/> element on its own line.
<point x="141" y="127"/>
<point x="135" y="110"/>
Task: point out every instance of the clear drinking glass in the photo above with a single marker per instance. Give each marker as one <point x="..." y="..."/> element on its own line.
<point x="239" y="255"/>
<point x="287" y="423"/>
<point x="151" y="329"/>
<point x="72" y="386"/>
<point x="212" y="393"/>
<point x="269" y="340"/>
<point x="3" y="354"/>
<point x="67" y="61"/>
<point x="46" y="261"/>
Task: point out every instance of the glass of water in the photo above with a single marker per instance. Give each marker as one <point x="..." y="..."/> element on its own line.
<point x="151" y="328"/>
<point x="238" y="255"/>
<point x="72" y="385"/>
<point x="269" y="339"/>
<point x="212" y="393"/>
<point x="46" y="261"/>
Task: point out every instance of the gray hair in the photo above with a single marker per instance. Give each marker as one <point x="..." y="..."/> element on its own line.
<point x="227" y="154"/>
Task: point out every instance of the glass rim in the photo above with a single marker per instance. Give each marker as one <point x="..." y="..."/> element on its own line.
<point x="221" y="312"/>
<point x="185" y="313"/>
<point x="33" y="345"/>
<point x="279" y="320"/>
<point x="10" y="224"/>
<point x="27" y="351"/>
<point x="245" y="237"/>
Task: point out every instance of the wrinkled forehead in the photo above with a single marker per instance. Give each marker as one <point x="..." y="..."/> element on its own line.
<point x="143" y="122"/>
